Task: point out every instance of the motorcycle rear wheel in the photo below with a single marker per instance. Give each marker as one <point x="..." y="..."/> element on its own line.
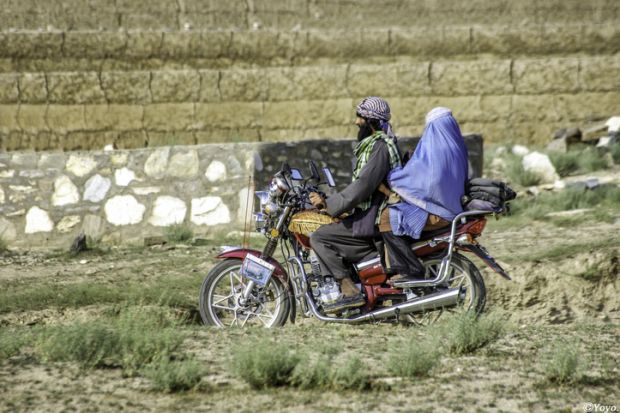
<point x="221" y="289"/>
<point x="463" y="273"/>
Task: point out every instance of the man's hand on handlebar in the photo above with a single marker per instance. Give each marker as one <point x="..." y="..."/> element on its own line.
<point x="317" y="200"/>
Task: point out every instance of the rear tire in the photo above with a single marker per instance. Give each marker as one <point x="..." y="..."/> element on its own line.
<point x="464" y="273"/>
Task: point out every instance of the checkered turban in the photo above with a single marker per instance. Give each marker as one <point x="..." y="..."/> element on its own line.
<point x="374" y="107"/>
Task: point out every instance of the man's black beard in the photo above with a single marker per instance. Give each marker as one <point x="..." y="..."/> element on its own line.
<point x="364" y="131"/>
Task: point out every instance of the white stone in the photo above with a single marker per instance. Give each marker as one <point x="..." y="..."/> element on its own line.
<point x="168" y="210"/>
<point x="500" y="151"/>
<point x="80" y="165"/>
<point x="613" y="124"/>
<point x="68" y="222"/>
<point x="146" y="190"/>
<point x="108" y="148"/>
<point x="7" y="230"/>
<point x="9" y="173"/>
<point x="124" y="176"/>
<point x="603" y="141"/>
<point x="32" y="174"/>
<point x="22" y="188"/>
<point x="119" y="159"/>
<point x="559" y="185"/>
<point x="16" y="213"/>
<point x="184" y="165"/>
<point x="216" y="171"/>
<point x="1" y="196"/>
<point x="540" y="164"/>
<point x="65" y="192"/>
<point x="157" y="163"/>
<point x="209" y="210"/>
<point x="124" y="210"/>
<point x="96" y="188"/>
<point x="520" y="150"/>
<point x="37" y="220"/>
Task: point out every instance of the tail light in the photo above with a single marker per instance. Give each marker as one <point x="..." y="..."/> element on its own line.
<point x="477" y="227"/>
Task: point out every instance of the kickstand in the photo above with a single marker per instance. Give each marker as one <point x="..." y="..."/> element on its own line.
<point x="397" y="313"/>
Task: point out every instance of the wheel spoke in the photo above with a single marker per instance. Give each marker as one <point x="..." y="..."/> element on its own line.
<point x="222" y="299"/>
<point x="221" y="307"/>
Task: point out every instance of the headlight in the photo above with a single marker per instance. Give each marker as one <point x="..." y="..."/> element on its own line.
<point x="278" y="186"/>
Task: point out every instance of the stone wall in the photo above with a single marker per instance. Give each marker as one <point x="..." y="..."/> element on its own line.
<point x="124" y="196"/>
<point x="78" y="74"/>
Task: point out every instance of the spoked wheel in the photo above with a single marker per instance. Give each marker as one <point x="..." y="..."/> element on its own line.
<point x="464" y="274"/>
<point x="221" y="305"/>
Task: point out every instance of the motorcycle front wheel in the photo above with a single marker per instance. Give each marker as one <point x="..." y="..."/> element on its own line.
<point x="220" y="303"/>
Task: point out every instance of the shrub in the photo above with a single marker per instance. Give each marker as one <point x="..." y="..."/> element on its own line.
<point x="465" y="333"/>
<point x="590" y="160"/>
<point x="174" y="376"/>
<point x="136" y="338"/>
<point x="264" y="364"/>
<point x="615" y="153"/>
<point x="312" y="374"/>
<point x="12" y="342"/>
<point x="179" y="233"/>
<point x="350" y="376"/>
<point x="417" y="359"/>
<point x="90" y="345"/>
<point x="565" y="163"/>
<point x="561" y="366"/>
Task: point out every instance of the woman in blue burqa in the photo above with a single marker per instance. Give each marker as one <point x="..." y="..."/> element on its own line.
<point x="430" y="187"/>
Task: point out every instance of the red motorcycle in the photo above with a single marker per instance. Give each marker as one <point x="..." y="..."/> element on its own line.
<point x="252" y="287"/>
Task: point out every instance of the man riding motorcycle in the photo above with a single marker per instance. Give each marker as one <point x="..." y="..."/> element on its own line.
<point x="352" y="238"/>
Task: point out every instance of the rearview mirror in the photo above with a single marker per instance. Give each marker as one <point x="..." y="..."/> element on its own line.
<point x="296" y="174"/>
<point x="314" y="172"/>
<point x="329" y="177"/>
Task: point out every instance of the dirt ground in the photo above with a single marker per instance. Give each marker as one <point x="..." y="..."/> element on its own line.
<point x="565" y="288"/>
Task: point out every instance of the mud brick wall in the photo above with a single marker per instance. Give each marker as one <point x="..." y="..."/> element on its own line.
<point x="81" y="74"/>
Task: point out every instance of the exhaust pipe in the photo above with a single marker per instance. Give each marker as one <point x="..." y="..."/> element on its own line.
<point x="447" y="298"/>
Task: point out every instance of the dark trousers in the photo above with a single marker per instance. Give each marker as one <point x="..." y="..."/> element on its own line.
<point x="337" y="248"/>
<point x="400" y="256"/>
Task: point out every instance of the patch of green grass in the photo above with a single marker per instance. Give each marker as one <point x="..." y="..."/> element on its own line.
<point x="562" y="364"/>
<point x="174" y="376"/>
<point x="137" y="337"/>
<point x="264" y="364"/>
<point x="591" y="159"/>
<point x="570" y="198"/>
<point x="465" y="333"/>
<point x="179" y="234"/>
<point x="174" y="292"/>
<point x="351" y="375"/>
<point x="565" y="163"/>
<point x="312" y="374"/>
<point x="416" y="359"/>
<point x="12" y="342"/>
<point x="615" y="153"/>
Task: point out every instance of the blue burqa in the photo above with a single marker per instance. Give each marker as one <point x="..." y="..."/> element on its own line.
<point x="433" y="181"/>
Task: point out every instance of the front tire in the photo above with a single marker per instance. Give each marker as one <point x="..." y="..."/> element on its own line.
<point x="219" y="306"/>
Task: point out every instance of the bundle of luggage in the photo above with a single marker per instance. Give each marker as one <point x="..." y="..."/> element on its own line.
<point x="487" y="195"/>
